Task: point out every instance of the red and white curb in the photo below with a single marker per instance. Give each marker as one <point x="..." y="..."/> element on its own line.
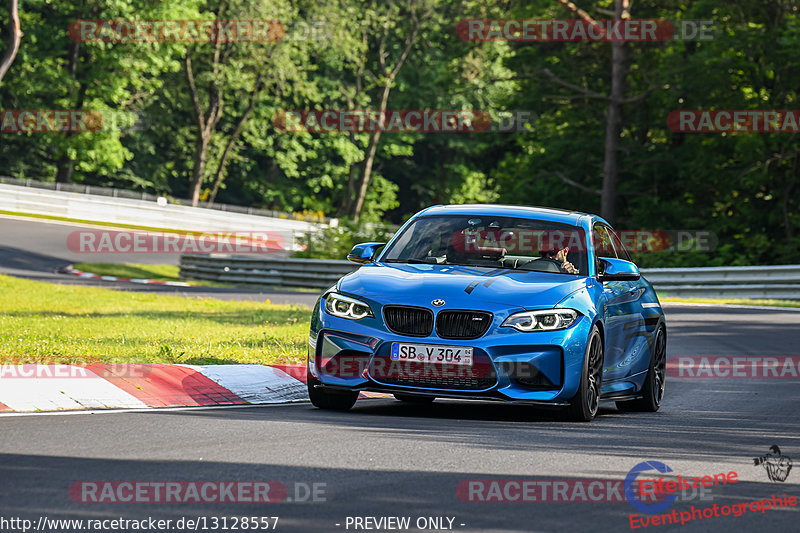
<point x="34" y="388"/>
<point x="70" y="269"/>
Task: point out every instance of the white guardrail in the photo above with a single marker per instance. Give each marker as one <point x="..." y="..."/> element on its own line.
<point x="781" y="282"/>
<point x="151" y="213"/>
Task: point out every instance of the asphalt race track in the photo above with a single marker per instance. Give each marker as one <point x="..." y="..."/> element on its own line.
<point x="385" y="458"/>
<point x="36" y="250"/>
<point x="389" y="459"/>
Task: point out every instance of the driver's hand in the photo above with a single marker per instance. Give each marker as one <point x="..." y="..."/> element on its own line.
<point x="566" y="266"/>
<point x="569" y="268"/>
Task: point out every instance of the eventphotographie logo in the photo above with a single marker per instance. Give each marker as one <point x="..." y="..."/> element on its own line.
<point x="775" y="463"/>
<point x="634" y="497"/>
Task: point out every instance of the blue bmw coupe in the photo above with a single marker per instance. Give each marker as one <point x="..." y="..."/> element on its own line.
<point x="519" y="304"/>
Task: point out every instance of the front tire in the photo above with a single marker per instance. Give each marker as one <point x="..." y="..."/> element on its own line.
<point x="653" y="390"/>
<point x="330" y="400"/>
<point x="584" y="405"/>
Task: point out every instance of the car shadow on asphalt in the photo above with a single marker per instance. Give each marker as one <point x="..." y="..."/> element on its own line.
<point x="498" y="426"/>
<point x="41" y="485"/>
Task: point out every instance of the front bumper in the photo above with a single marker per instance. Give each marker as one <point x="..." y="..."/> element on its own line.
<point x="536" y="367"/>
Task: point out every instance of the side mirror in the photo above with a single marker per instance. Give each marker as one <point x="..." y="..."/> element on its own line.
<point x="613" y="269"/>
<point x="363" y="253"/>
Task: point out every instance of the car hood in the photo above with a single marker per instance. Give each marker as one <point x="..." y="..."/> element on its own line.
<point x="459" y="286"/>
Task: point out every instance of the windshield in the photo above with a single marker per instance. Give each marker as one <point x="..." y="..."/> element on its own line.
<point x="493" y="242"/>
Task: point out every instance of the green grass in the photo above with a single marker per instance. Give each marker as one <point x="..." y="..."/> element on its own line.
<point x="734" y="301"/>
<point x="46" y="323"/>
<point x="132" y="270"/>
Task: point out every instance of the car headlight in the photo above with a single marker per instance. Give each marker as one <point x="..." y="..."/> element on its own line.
<point x="345" y="307"/>
<point x="545" y="320"/>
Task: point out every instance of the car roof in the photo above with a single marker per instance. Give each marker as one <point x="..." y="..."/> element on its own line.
<point x="541" y="213"/>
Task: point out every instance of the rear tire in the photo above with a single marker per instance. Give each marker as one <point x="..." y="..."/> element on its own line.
<point x="330" y="400"/>
<point x="410" y="398"/>
<point x="654" y="382"/>
<point x="584" y="405"/>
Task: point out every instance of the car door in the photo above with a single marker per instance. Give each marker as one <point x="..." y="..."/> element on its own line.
<point x="617" y="308"/>
<point x="637" y="351"/>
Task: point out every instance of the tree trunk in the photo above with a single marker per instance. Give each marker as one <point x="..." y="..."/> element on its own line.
<point x="232" y="141"/>
<point x="366" y="175"/>
<point x="787" y="213"/>
<point x="199" y="167"/>
<point x="14" y="38"/>
<point x="205" y="125"/>
<point x="369" y="159"/>
<point x="347" y="202"/>
<point x="389" y="75"/>
<point x="619" y="52"/>
<point x="65" y="166"/>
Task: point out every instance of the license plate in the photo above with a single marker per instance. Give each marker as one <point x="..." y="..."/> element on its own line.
<point x="432" y="353"/>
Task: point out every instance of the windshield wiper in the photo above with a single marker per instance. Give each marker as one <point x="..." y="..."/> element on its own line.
<point x="409" y="261"/>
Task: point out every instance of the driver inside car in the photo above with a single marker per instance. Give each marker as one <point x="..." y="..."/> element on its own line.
<point x="561" y="257"/>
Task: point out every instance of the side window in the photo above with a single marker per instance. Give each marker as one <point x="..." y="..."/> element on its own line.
<point x="602" y="245"/>
<point x="602" y="242"/>
<point x="622" y="253"/>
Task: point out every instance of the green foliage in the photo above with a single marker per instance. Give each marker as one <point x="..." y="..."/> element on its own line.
<point x="741" y="186"/>
<point x="336" y="242"/>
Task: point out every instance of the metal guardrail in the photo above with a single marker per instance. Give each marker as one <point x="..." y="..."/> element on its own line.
<point x="781" y="282"/>
<point x="303" y="273"/>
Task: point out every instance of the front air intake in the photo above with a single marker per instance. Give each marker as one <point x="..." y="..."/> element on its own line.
<point x="406" y="320"/>
<point x="462" y="324"/>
